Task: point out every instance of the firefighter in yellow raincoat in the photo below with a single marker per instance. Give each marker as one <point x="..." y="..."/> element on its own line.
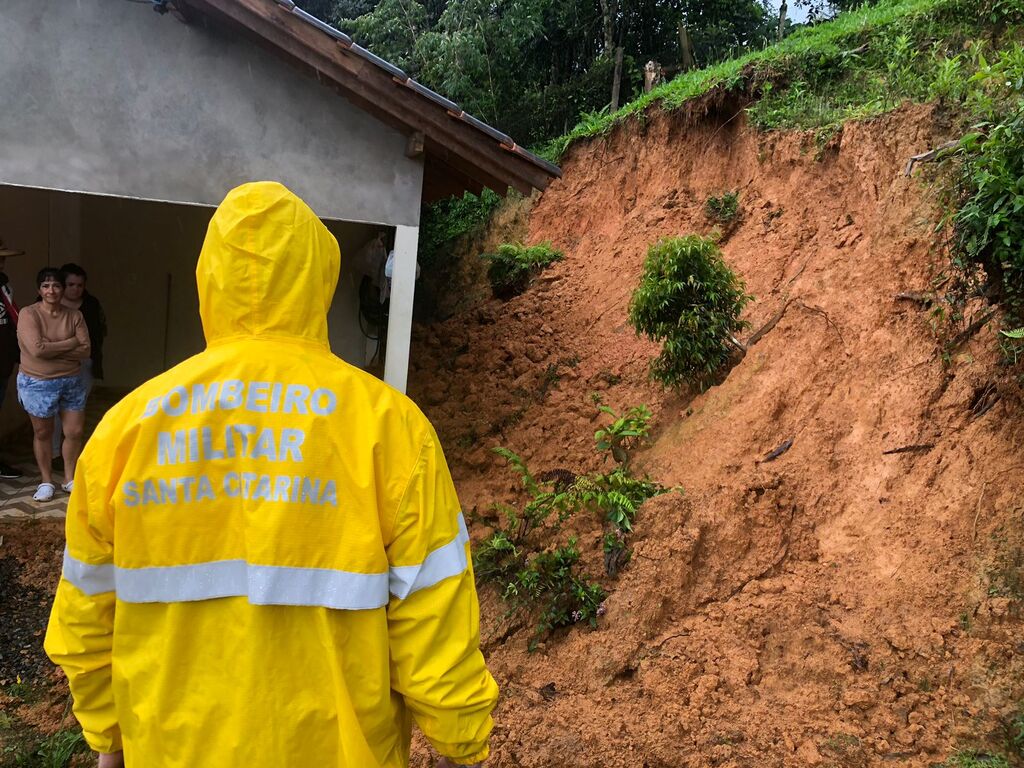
<point x="266" y="562"/>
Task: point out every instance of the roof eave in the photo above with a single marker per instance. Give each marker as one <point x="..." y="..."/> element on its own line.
<point x="454" y="139"/>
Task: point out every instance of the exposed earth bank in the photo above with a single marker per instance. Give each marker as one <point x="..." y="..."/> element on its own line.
<point x="839" y="605"/>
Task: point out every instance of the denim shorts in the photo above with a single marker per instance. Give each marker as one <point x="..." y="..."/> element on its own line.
<point x="44" y="398"/>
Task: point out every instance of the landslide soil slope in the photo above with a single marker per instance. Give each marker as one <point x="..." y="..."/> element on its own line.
<point x="836" y="606"/>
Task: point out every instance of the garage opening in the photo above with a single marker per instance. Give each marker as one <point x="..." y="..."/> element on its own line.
<point x="140" y="257"/>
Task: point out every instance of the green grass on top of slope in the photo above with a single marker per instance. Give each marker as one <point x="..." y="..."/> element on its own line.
<point x="861" y="63"/>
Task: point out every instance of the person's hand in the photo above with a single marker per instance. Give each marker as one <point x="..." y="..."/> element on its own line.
<point x="112" y="760"/>
<point x="444" y="762"/>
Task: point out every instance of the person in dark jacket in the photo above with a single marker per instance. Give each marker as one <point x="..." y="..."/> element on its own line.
<point x="8" y="341"/>
<point x="77" y="297"/>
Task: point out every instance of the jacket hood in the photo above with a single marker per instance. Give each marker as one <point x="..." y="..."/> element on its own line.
<point x="268" y="267"/>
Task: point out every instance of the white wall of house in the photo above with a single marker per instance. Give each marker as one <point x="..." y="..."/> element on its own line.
<point x="108" y="97"/>
<point x="153" y="121"/>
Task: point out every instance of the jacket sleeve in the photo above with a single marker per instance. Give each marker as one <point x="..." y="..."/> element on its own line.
<point x="80" y="633"/>
<point x="433" y="616"/>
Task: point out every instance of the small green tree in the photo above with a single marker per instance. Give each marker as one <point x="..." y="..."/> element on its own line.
<point x="691" y="301"/>
<point x="624" y="433"/>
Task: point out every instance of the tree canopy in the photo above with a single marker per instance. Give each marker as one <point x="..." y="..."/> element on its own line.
<point x="533" y="67"/>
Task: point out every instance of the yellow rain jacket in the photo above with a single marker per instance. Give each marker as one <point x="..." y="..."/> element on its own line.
<point x="266" y="563"/>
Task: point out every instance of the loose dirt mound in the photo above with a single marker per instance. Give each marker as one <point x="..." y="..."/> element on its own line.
<point x="837" y="605"/>
<point x="30" y="561"/>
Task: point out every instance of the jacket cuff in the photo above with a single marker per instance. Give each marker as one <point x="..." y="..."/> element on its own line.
<point x="462" y="758"/>
<point x="104" y="742"/>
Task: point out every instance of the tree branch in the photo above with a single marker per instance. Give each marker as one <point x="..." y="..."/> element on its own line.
<point x="928" y="156"/>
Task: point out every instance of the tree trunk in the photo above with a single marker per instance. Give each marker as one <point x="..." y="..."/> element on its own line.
<point x="782" y="18"/>
<point x="608" y="10"/>
<point x="687" y="61"/>
<point x="617" y="81"/>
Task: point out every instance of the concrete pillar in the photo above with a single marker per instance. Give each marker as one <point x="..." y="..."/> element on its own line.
<point x="403" y="288"/>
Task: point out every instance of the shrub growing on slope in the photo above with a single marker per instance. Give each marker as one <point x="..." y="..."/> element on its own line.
<point x="723" y="209"/>
<point x="987" y="205"/>
<point x="535" y="573"/>
<point x="512" y="266"/>
<point x="691" y="301"/>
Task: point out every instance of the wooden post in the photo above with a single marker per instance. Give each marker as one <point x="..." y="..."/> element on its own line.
<point x="651" y="70"/>
<point x="782" y="18"/>
<point x="686" y="58"/>
<point x="617" y="81"/>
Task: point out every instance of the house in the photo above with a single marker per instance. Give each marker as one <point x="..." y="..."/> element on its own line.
<point x="122" y="128"/>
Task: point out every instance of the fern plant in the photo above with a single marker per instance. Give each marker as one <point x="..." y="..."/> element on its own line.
<point x="543" y="500"/>
<point x="549" y="584"/>
<point x="617" y="495"/>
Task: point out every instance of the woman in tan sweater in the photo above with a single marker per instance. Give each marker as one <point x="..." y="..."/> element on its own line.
<point x="53" y="340"/>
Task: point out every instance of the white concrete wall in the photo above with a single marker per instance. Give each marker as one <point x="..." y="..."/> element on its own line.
<point x="108" y="97"/>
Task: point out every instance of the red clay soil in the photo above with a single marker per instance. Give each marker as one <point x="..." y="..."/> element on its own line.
<point x="836" y="606"/>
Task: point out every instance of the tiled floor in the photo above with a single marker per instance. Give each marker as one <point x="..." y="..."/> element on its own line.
<point x="16" y="495"/>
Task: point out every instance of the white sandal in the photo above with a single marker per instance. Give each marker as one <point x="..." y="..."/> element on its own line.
<point x="68" y="486"/>
<point x="44" y="492"/>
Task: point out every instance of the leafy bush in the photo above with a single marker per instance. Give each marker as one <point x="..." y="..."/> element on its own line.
<point x="724" y="208"/>
<point x="549" y="578"/>
<point x="447" y="220"/>
<point x="986" y="194"/>
<point x="988" y="228"/>
<point x="514" y="264"/>
<point x="543" y="578"/>
<point x="691" y="301"/>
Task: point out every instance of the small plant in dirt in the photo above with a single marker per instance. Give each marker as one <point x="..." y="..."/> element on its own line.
<point x="616" y="553"/>
<point x="512" y="266"/>
<point x="23" y="745"/>
<point x="540" y="576"/>
<point x="976" y="760"/>
<point x="616" y="496"/>
<point x="624" y="433"/>
<point x="56" y="750"/>
<point x="550" y="579"/>
<point x="1013" y="735"/>
<point x="19" y="689"/>
<point x="724" y="208"/>
<point x="691" y="301"/>
<point x="546" y="498"/>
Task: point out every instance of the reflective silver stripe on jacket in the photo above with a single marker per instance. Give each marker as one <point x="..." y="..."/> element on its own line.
<point x="443" y="562"/>
<point x="91" y="579"/>
<point x="269" y="584"/>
